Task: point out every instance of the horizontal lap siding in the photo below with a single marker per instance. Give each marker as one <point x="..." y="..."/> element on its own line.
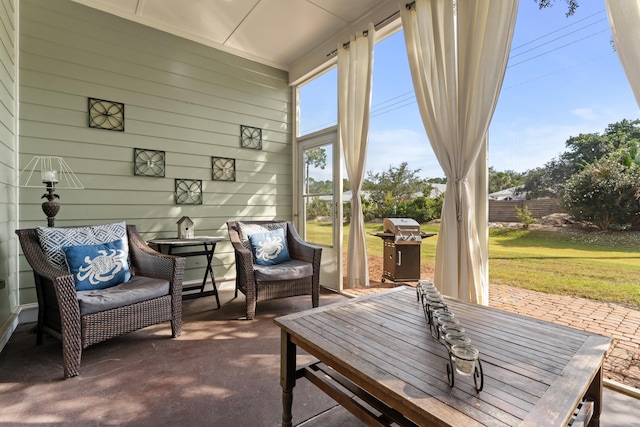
<point x="8" y="148"/>
<point x="180" y="97"/>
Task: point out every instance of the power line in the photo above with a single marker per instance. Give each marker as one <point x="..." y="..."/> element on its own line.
<point x="380" y="108"/>
<point x="558" y="48"/>
<point x="376" y="108"/>
<point x="555" y="31"/>
<point x="557" y="71"/>
<point x="556" y="39"/>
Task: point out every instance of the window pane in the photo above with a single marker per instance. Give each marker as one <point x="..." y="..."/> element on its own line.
<point x="318" y="194"/>
<point x="319" y="103"/>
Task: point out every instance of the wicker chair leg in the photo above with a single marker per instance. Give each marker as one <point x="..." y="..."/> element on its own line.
<point x="251" y="309"/>
<point x="71" y="358"/>
<point x="176" y="327"/>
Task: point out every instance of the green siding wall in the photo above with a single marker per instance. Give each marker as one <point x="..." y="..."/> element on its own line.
<point x="8" y="295"/>
<point x="181" y="97"/>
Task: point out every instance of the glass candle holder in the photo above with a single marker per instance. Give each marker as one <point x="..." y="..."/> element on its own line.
<point x="455" y="339"/>
<point x="443" y="320"/>
<point x="446" y="317"/>
<point x="432" y="297"/>
<point x="424" y="286"/>
<point x="464" y="358"/>
<point x="431" y="308"/>
<point x="440" y="311"/>
<point x="454" y="330"/>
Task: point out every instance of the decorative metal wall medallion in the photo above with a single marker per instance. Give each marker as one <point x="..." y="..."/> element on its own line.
<point x="188" y="192"/>
<point x="250" y="137"/>
<point x="106" y="114"/>
<point x="148" y="162"/>
<point x="223" y="169"/>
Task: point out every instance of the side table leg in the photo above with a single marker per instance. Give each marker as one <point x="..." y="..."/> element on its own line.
<point x="209" y="271"/>
<point x="287" y="376"/>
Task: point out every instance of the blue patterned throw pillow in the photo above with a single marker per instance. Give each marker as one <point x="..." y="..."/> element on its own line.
<point x="269" y="248"/>
<point x="52" y="239"/>
<point x="98" y="266"/>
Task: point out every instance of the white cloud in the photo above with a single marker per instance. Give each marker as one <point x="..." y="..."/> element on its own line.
<point x="390" y="147"/>
<point x="585" y="114"/>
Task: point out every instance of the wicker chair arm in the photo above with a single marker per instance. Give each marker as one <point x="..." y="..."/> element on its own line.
<point x="244" y="257"/>
<point x="37" y="260"/>
<point x="49" y="276"/>
<point x="148" y="262"/>
<point x="301" y="250"/>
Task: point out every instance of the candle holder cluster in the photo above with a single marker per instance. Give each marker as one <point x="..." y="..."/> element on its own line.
<point x="446" y="329"/>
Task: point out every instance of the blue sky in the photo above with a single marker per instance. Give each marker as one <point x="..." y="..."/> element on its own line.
<point x="563" y="79"/>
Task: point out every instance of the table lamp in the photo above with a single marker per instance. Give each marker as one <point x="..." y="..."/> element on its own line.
<point x="53" y="173"/>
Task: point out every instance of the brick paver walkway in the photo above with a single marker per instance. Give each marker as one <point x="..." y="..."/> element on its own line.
<point x="622" y="324"/>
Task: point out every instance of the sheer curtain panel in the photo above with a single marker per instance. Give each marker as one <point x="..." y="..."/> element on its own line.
<point x="355" y="73"/>
<point x="458" y="53"/>
<point x="624" y="19"/>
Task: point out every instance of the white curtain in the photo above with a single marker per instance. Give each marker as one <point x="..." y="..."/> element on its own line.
<point x="624" y="19"/>
<point x="355" y="73"/>
<point x="458" y="54"/>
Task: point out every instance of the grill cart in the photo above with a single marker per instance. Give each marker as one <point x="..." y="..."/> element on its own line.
<point x="401" y="251"/>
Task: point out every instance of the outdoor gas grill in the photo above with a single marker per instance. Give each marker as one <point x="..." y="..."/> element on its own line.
<point x="401" y="251"/>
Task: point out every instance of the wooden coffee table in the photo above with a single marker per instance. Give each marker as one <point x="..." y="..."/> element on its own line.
<point x="378" y="359"/>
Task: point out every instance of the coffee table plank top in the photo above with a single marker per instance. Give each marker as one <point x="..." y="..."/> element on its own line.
<point x="535" y="372"/>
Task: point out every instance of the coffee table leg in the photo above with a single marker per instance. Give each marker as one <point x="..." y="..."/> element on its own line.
<point x="287" y="376"/>
<point x="594" y="393"/>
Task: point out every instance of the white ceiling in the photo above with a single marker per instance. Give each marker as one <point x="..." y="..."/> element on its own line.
<point x="274" y="32"/>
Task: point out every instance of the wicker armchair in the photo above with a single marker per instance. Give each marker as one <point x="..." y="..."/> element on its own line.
<point x="59" y="312"/>
<point x="256" y="289"/>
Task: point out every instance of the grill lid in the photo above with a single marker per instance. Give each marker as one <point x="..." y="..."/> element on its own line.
<point x="405" y="230"/>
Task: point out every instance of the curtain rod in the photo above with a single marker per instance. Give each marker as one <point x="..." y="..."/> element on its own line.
<point x="366" y="32"/>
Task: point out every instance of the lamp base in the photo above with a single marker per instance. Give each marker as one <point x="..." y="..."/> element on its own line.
<point x="50" y="209"/>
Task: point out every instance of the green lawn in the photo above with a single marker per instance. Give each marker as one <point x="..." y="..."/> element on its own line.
<point x="600" y="266"/>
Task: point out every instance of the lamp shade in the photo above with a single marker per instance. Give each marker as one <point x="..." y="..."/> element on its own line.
<point x="48" y="169"/>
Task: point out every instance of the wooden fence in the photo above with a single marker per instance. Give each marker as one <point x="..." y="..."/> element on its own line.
<point x="505" y="210"/>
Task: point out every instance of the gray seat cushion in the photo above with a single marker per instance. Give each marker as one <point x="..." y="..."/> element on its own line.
<point x="137" y="289"/>
<point x="289" y="270"/>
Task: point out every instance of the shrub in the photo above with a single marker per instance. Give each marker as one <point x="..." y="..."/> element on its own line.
<point x="606" y="193"/>
<point x="318" y="207"/>
<point x="524" y="215"/>
<point x="421" y="209"/>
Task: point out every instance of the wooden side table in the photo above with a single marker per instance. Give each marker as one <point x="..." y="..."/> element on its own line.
<point x="208" y="243"/>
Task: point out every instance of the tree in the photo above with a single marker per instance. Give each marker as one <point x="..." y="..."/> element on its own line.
<point x="437" y="180"/>
<point x="572" y="5"/>
<point x="504" y="179"/>
<point x="316" y="157"/>
<point x="400" y="183"/>
<point x="319" y="187"/>
<point x="582" y="150"/>
<point x="586" y="149"/>
<point x="624" y="133"/>
<point x="545" y="181"/>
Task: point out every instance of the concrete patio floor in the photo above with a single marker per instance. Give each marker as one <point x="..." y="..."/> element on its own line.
<point x="221" y="372"/>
